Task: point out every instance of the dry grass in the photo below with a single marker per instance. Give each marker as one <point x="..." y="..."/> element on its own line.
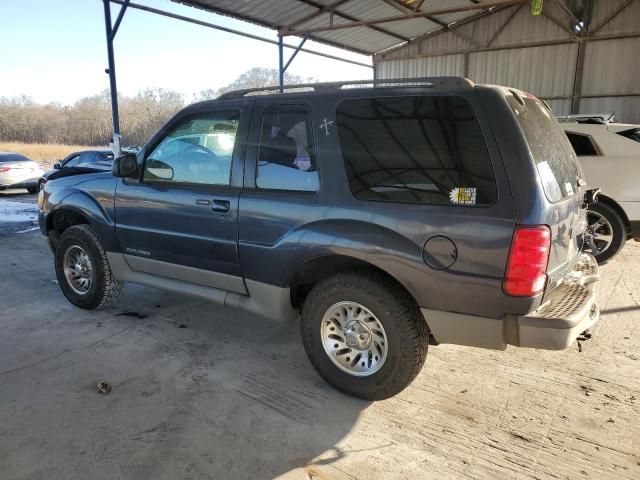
<point x="46" y="154"/>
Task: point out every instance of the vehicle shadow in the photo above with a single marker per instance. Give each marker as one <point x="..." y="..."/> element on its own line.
<point x="245" y="390"/>
<point x="198" y="390"/>
<point x="18" y="193"/>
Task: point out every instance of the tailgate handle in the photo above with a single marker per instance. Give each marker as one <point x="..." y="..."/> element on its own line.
<point x="221" y="206"/>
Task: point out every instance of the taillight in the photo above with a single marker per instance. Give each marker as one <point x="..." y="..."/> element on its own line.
<point x="527" y="264"/>
<point x="4" y="169"/>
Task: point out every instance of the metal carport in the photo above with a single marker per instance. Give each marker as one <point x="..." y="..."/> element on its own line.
<point x="489" y="41"/>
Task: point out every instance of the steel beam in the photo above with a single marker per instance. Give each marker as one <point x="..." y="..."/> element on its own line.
<point x="567" y="10"/>
<point x="553" y="19"/>
<point x="295" y="52"/>
<point x="111" y="70"/>
<point x="503" y="26"/>
<point x="410" y="12"/>
<point x="333" y="11"/>
<point x="577" y="79"/>
<point x="381" y="57"/>
<point x="116" y="25"/>
<point x="281" y="64"/>
<point x="321" y="10"/>
<point x="238" y="32"/>
<point x="433" y="33"/>
<point x="420" y="14"/>
<point x="613" y="15"/>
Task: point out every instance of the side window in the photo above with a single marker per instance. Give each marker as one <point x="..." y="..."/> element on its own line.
<point x="87" y="157"/>
<point x="198" y="150"/>
<point x="582" y="144"/>
<point x="286" y="154"/>
<point x="426" y="149"/>
<point x="72" y="162"/>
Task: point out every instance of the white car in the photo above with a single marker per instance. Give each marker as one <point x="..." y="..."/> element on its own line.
<point x="17" y="171"/>
<point x="610" y="157"/>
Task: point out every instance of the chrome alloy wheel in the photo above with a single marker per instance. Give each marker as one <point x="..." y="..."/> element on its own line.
<point x="599" y="234"/>
<point x="354" y="339"/>
<point x="78" y="270"/>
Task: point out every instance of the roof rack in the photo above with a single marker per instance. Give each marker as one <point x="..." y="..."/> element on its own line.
<point x="428" y="82"/>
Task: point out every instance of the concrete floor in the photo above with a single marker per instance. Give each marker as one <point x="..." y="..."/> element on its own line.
<point x="202" y="391"/>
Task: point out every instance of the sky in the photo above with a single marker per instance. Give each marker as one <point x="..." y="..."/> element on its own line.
<point x="55" y="51"/>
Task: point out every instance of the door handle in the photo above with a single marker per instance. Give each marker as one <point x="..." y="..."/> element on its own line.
<point x="221" y="206"/>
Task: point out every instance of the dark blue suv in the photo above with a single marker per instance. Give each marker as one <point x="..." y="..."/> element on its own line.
<point x="387" y="217"/>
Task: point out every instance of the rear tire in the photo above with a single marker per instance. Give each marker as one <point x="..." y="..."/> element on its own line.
<point x="606" y="233"/>
<point x="82" y="269"/>
<point x="385" y="307"/>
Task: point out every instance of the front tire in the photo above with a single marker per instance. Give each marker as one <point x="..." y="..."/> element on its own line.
<point x="82" y="269"/>
<point x="606" y="232"/>
<point x="364" y="334"/>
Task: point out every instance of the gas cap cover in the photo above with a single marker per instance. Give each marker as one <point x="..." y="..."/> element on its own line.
<point x="439" y="252"/>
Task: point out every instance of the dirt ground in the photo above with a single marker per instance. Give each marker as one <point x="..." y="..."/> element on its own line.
<point x="203" y="391"/>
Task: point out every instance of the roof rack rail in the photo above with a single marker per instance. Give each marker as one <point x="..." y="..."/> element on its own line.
<point x="429" y="82"/>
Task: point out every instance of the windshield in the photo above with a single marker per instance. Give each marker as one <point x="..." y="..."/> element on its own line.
<point x="555" y="159"/>
<point x="632" y="134"/>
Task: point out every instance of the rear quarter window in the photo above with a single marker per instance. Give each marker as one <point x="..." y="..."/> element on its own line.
<point x="583" y="145"/>
<point x="418" y="149"/>
<point x="552" y="153"/>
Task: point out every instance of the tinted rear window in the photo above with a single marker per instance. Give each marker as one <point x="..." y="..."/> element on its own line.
<point x="12" y="157"/>
<point x="582" y="144"/>
<point x="554" y="156"/>
<point x="425" y="149"/>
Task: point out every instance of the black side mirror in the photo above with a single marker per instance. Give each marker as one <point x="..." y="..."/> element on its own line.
<point x="125" y="166"/>
<point x="57" y="166"/>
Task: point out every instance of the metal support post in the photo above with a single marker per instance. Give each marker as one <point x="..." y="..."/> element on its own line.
<point x="280" y="64"/>
<point x="111" y="31"/>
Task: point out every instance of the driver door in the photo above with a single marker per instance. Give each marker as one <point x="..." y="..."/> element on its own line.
<point x="180" y="218"/>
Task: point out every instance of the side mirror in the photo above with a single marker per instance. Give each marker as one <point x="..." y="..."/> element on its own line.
<point x="125" y="166"/>
<point x="57" y="166"/>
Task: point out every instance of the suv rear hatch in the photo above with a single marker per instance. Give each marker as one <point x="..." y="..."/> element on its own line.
<point x="562" y="181"/>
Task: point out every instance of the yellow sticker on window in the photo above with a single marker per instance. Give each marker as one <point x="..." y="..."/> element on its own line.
<point x="463" y="195"/>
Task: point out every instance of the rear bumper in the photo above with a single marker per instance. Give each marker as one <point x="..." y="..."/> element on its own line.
<point x="19" y="181"/>
<point x="569" y="310"/>
<point x="21" y="184"/>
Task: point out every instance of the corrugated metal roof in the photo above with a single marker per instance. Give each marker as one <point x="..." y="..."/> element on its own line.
<point x="302" y="15"/>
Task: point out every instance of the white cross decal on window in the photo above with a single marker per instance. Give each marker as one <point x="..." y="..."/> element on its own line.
<point x="326" y="126"/>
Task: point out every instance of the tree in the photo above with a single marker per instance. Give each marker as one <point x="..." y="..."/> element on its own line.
<point x="256" y="77"/>
<point x="87" y="121"/>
